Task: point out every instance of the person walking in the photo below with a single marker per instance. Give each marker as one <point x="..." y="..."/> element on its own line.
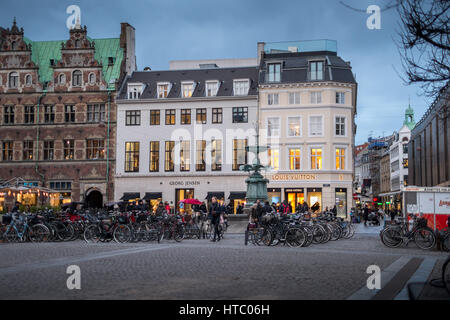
<point x="160" y="210"/>
<point x="214" y="212"/>
<point x="365" y="215"/>
<point x="285" y="208"/>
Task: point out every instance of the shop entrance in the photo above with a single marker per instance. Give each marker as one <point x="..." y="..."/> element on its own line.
<point x="294" y="197"/>
<point x="315" y="199"/>
<point x="341" y="202"/>
<point x="181" y="194"/>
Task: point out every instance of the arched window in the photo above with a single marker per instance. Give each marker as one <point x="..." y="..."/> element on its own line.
<point x="77" y="43"/>
<point x="28" y="79"/>
<point x="13" y="45"/>
<point x="76" y="78"/>
<point x="62" y="78"/>
<point x="91" y="78"/>
<point x="13" y="79"/>
<point x="405" y="139"/>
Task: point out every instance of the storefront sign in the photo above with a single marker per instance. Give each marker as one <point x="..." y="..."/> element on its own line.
<point x="184" y="183"/>
<point x="293" y="176"/>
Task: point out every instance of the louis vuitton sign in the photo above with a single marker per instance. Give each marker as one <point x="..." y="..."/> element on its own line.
<point x="293" y="176"/>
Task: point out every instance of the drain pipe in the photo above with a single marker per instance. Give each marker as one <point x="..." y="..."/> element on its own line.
<point x="44" y="92"/>
<point x="107" y="142"/>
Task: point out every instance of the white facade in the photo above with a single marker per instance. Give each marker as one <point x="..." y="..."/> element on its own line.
<point x="169" y="183"/>
<point x="399" y="159"/>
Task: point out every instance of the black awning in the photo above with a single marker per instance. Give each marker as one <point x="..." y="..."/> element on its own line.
<point x="237" y="195"/>
<point x="130" y="195"/>
<point x="152" y="196"/>
<point x="218" y="195"/>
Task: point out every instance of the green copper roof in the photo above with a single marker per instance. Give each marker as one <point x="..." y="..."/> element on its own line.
<point x="43" y="51"/>
<point x="409" y="118"/>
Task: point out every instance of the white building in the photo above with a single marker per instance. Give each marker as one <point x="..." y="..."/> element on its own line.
<point x="399" y="153"/>
<point x="182" y="134"/>
<point x="307" y="101"/>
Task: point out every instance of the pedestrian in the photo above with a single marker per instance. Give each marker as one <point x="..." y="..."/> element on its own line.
<point x="167" y="207"/>
<point x="305" y="206"/>
<point x="16" y="207"/>
<point x="267" y="207"/>
<point x="240" y="208"/>
<point x="285" y="208"/>
<point x="365" y="215"/>
<point x="214" y="212"/>
<point x="393" y="214"/>
<point x="161" y="210"/>
<point x="299" y="208"/>
<point x="334" y="210"/>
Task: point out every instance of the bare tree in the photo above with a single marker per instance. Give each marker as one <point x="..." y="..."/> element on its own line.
<point x="424" y="43"/>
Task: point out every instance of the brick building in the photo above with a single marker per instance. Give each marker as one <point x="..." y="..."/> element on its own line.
<point x="58" y="112"/>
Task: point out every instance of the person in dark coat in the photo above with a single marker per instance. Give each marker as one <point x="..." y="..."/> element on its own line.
<point x="16" y="207"/>
<point x="305" y="206"/>
<point x="214" y="212"/>
<point x="365" y="215"/>
<point x="285" y="208"/>
<point x="240" y="208"/>
<point x="160" y="210"/>
<point x="267" y="207"/>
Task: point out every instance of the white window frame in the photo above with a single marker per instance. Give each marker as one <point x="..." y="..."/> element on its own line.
<point x="186" y="83"/>
<point x="158" y="89"/>
<point x="294" y="95"/>
<point x="16" y="74"/>
<point x="26" y="80"/>
<point x="269" y="159"/>
<point x="288" y="165"/>
<point x="279" y="127"/>
<point x="273" y="99"/>
<point x="212" y="82"/>
<point x="309" y="125"/>
<point x="340" y="97"/>
<point x="238" y="93"/>
<point x="345" y="125"/>
<point x="89" y="78"/>
<point x="300" y="124"/>
<point x="135" y="89"/>
<point x="275" y="78"/>
<point x="334" y="156"/>
<point x="310" y="155"/>
<point x="63" y="77"/>
<point x="318" y="97"/>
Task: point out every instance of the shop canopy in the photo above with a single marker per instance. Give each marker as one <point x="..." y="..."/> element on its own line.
<point x="218" y="195"/>
<point x="237" y="195"/>
<point x="152" y="196"/>
<point x="130" y="196"/>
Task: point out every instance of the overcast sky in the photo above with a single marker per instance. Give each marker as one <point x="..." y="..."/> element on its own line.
<point x="206" y="29"/>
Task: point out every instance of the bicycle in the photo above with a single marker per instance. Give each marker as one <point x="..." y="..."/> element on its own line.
<point x="19" y="230"/>
<point x="424" y="237"/>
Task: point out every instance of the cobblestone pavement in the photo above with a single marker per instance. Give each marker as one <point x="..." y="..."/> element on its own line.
<point x="200" y="269"/>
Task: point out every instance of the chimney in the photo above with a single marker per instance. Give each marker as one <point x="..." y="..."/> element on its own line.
<point x="260" y="51"/>
<point x="127" y="43"/>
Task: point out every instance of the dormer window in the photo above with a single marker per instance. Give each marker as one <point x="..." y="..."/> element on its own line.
<point x="110" y="61"/>
<point x="211" y="88"/>
<point x="163" y="90"/>
<point x="77" y="43"/>
<point x="134" y="90"/>
<point x="274" y="72"/>
<point x="77" y="77"/>
<point x="13" y="45"/>
<point x="187" y="89"/>
<point x="240" y="87"/>
<point x="316" y="70"/>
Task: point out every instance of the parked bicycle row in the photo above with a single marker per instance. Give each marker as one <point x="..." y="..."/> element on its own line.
<point x="107" y="226"/>
<point x="297" y="230"/>
<point x="399" y="233"/>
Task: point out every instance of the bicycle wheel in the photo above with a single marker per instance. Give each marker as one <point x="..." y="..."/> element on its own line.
<point x="446" y="242"/>
<point x="425" y="238"/>
<point x="336" y="231"/>
<point x="11" y="235"/>
<point x="295" y="237"/>
<point x="446" y="275"/>
<point x="92" y="234"/>
<point x="178" y="235"/>
<point x="39" y="233"/>
<point x="391" y="237"/>
<point x="319" y="233"/>
<point x="122" y="233"/>
<point x="263" y="236"/>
